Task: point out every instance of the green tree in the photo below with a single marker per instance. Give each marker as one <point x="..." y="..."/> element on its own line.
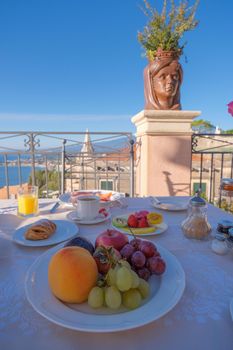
<point x="202" y="125"/>
<point x="40" y="179"/>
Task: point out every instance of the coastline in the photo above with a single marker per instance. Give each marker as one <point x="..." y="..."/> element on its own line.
<point x="12" y="191"/>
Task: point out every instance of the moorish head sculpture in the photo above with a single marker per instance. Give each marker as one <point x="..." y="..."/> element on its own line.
<point x="162" y="80"/>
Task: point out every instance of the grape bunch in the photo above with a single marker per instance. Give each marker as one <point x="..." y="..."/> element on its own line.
<point x="143" y="257"/>
<point x="122" y="287"/>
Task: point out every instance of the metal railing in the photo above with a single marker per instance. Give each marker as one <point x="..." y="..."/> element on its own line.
<point x="80" y="160"/>
<point x="212" y="160"/>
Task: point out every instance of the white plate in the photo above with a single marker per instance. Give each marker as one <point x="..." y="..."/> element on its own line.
<point x="231" y="308"/>
<point x="65" y="230"/>
<point x="170" y="206"/>
<point x="73" y="215"/>
<point x="66" y="197"/>
<point x="166" y="291"/>
<point x="160" y="228"/>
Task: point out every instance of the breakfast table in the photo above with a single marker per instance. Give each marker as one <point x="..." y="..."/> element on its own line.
<point x="200" y="320"/>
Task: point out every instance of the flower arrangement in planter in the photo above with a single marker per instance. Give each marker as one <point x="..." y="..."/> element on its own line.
<point x="161" y="41"/>
<point x="164" y="31"/>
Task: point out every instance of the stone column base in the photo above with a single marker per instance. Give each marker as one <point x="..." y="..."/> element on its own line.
<point x="164" y="152"/>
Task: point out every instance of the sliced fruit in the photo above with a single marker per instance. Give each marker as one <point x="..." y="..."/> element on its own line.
<point x="154" y="218"/>
<point x="143" y="222"/>
<point x="139" y="231"/>
<point x="132" y="221"/>
<point x="119" y="222"/>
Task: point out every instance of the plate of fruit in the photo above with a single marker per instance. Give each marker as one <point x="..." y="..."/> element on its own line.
<point x="110" y="285"/>
<point x="140" y="223"/>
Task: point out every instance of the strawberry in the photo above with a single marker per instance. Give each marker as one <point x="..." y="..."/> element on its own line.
<point x="103" y="211"/>
<point x="141" y="214"/>
<point x="143" y="223"/>
<point x="132" y="221"/>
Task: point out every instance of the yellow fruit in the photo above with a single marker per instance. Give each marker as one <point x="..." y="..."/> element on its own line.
<point x="154" y="218"/>
<point x="72" y="273"/>
<point x="139" y="231"/>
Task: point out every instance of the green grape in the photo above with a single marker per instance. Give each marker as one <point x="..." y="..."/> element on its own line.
<point x="124" y="279"/>
<point x="131" y="299"/>
<point x="144" y="288"/>
<point x="135" y="282"/>
<point x="112" y="297"/>
<point x="111" y="277"/>
<point x="124" y="263"/>
<point x="96" y="297"/>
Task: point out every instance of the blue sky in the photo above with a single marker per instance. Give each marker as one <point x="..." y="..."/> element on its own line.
<point x="68" y="65"/>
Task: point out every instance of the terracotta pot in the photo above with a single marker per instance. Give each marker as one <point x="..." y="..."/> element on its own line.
<point x="162" y="80"/>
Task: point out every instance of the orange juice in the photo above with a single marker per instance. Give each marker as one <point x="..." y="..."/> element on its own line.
<point x="28" y="201"/>
<point x="27" y="204"/>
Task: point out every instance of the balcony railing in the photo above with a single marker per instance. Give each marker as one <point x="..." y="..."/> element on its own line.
<point x="212" y="160"/>
<point x="75" y="160"/>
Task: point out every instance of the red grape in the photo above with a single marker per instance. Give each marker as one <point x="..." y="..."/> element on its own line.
<point x="143" y="273"/>
<point x="147" y="248"/>
<point x="138" y="259"/>
<point x="156" y="265"/>
<point x="135" y="243"/>
<point x="127" y="251"/>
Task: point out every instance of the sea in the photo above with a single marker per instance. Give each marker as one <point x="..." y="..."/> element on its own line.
<point x="13" y="175"/>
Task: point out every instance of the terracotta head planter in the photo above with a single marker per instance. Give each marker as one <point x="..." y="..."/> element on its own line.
<point x="160" y="39"/>
<point x="162" y="81"/>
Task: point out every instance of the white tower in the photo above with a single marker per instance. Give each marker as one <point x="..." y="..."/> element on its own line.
<point x="217" y="130"/>
<point x="87" y="145"/>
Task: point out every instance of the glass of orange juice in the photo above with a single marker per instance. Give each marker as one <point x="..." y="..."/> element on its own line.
<point x="28" y="201"/>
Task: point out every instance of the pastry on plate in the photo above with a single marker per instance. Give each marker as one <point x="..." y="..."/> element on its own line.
<point x="40" y="230"/>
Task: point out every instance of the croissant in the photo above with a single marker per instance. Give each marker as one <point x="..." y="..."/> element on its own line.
<point x="42" y="230"/>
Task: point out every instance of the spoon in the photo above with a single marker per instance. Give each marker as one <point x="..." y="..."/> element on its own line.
<point x="155" y="200"/>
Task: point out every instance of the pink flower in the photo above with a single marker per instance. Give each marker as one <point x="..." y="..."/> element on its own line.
<point x="230" y="108"/>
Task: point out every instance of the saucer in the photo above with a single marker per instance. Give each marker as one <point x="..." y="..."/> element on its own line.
<point x="73" y="215"/>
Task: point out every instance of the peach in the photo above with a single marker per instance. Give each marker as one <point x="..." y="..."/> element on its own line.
<point x="72" y="273"/>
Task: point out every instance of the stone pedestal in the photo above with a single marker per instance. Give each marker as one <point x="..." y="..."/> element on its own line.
<point x="164" y="151"/>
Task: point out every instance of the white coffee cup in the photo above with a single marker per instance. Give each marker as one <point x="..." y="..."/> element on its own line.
<point x="88" y="207"/>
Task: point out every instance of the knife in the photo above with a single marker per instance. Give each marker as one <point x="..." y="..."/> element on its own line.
<point x="54" y="208"/>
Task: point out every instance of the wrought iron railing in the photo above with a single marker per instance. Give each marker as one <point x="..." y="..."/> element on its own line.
<point x="212" y="160"/>
<point x="81" y="160"/>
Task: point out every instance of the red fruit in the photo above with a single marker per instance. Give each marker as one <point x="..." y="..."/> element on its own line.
<point x="138" y="259"/>
<point x="143" y="222"/>
<point x="144" y="273"/>
<point x="132" y="221"/>
<point x="156" y="253"/>
<point x="156" y="265"/>
<point x="103" y="211"/>
<point x="127" y="251"/>
<point x="148" y="249"/>
<point x="141" y="214"/>
<point x="105" y="258"/>
<point x="112" y="238"/>
<point x="135" y="243"/>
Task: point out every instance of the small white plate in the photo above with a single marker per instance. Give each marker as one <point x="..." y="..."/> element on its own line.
<point x="231" y="308"/>
<point x="160" y="228"/>
<point x="73" y="215"/>
<point x="166" y="291"/>
<point x="170" y="206"/>
<point x="64" y="231"/>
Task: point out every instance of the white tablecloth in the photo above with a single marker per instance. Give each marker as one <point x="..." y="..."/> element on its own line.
<point x="201" y="319"/>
